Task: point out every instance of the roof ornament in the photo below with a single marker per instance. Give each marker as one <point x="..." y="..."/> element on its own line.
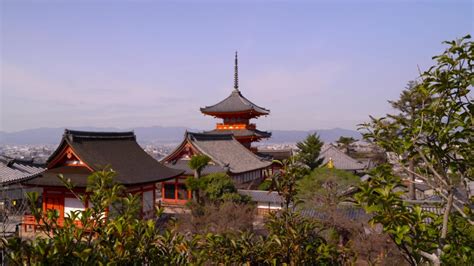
<point x="236" y="74"/>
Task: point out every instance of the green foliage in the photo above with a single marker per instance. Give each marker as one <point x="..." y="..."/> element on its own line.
<point x="284" y="180"/>
<point x="412" y="228"/>
<point x="296" y="240"/>
<point x="309" y="151"/>
<point x="198" y="162"/>
<point x="91" y="238"/>
<point x="216" y="187"/>
<point x="291" y="240"/>
<point x="435" y="125"/>
<point x="345" y="140"/>
<point x="265" y="185"/>
<point x="327" y="183"/>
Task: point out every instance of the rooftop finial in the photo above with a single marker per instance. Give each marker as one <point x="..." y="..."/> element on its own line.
<point x="236" y="73"/>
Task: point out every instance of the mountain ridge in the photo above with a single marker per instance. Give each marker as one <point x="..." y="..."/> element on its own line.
<point x="160" y="134"/>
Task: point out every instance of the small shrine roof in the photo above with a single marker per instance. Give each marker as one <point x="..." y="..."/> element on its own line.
<point x="340" y="159"/>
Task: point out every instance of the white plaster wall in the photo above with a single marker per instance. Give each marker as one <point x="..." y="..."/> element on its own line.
<point x="72" y="204"/>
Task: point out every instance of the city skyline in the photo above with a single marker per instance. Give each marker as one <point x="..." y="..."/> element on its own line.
<point x="138" y="64"/>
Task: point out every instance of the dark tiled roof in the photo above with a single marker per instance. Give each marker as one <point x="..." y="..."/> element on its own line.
<point x="117" y="150"/>
<point x="77" y="175"/>
<point x="280" y="155"/>
<point x="341" y="160"/>
<point x="235" y="103"/>
<point x="223" y="149"/>
<point x="183" y="166"/>
<point x="351" y="213"/>
<point x="226" y="151"/>
<point x="262" y="196"/>
<point x="242" y="133"/>
<point x="15" y="170"/>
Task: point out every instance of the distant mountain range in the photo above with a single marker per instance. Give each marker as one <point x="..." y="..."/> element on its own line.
<point x="158" y="134"/>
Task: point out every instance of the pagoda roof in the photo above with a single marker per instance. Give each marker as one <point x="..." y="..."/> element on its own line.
<point x="242" y="133"/>
<point x="224" y="150"/>
<point x="117" y="150"/>
<point x="235" y="103"/>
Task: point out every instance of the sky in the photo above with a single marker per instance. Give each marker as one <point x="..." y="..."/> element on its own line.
<point x="127" y="64"/>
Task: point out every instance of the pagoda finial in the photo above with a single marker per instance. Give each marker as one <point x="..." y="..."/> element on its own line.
<point x="236" y="73"/>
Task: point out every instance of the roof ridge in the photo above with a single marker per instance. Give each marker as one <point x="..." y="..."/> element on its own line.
<point x="250" y="103"/>
<point x="99" y="134"/>
<point x="343" y="153"/>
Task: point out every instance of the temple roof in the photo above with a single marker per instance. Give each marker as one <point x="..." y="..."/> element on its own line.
<point x="279" y="154"/>
<point x="117" y="150"/>
<point x="76" y="175"/>
<point x="340" y="159"/>
<point x="15" y="170"/>
<point x="224" y="150"/>
<point x="183" y="166"/>
<point x="235" y="103"/>
<point x="242" y="133"/>
<point x="262" y="196"/>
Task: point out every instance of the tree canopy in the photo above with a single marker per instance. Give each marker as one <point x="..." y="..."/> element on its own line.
<point x="436" y="127"/>
<point x="309" y="150"/>
<point x="325" y="183"/>
<point x="89" y="237"/>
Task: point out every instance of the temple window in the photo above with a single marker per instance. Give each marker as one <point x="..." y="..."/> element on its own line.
<point x="175" y="190"/>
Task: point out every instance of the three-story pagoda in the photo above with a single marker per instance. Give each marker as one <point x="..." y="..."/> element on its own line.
<point x="236" y="112"/>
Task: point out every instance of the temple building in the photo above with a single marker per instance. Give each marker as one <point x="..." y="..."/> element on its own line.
<point x="229" y="146"/>
<point x="236" y="112"/>
<point x="227" y="156"/>
<point x="80" y="153"/>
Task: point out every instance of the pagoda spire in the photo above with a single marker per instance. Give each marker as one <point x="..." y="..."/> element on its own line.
<point x="236" y="73"/>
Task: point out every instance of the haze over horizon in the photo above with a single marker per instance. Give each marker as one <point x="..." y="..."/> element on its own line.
<point x="128" y="64"/>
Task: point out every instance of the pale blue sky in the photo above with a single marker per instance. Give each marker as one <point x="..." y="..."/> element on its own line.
<point x="314" y="64"/>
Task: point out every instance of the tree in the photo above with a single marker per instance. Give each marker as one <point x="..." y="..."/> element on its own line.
<point x="409" y="106"/>
<point x="309" y="151"/>
<point x="197" y="163"/>
<point x="345" y="142"/>
<point x="285" y="180"/>
<point x="325" y="186"/>
<point x="216" y="188"/>
<point x="219" y="187"/>
<point x="292" y="239"/>
<point x="218" y="218"/>
<point x="90" y="237"/>
<point x="440" y="134"/>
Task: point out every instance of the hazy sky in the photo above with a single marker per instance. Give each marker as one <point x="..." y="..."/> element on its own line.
<point x="314" y="64"/>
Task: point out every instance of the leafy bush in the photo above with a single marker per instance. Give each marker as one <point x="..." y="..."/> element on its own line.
<point x="322" y="181"/>
<point x="265" y="185"/>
